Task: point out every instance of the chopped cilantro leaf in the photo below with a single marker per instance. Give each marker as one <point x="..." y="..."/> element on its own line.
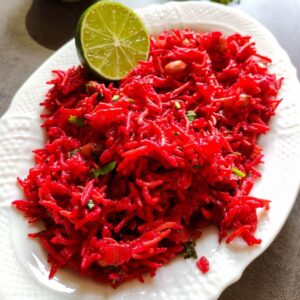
<point x="104" y="170"/>
<point x="90" y="204"/>
<point x="74" y="120"/>
<point x="189" y="250"/>
<point x="71" y="153"/>
<point x="238" y="172"/>
<point x="225" y="2"/>
<point x="115" y="98"/>
<point x="191" y="115"/>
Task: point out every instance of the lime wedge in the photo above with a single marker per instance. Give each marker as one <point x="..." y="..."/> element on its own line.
<point x="111" y="39"/>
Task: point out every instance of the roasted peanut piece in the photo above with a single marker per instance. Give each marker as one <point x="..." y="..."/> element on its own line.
<point x="174" y="67"/>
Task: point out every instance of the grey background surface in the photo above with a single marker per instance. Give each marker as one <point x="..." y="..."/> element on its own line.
<point x="31" y="30"/>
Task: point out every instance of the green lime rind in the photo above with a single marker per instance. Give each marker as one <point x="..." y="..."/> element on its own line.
<point x="111" y="39"/>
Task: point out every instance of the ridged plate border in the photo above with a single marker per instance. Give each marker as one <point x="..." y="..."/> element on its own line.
<point x="180" y="280"/>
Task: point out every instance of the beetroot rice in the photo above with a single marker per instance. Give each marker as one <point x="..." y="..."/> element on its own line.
<point x="132" y="172"/>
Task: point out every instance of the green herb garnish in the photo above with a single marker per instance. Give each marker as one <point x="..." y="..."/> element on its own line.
<point x="71" y="153"/>
<point x="115" y="98"/>
<point x="191" y="115"/>
<point x="74" y="120"/>
<point x="90" y="204"/>
<point x="104" y="170"/>
<point x="224" y="1"/>
<point x="238" y="172"/>
<point x="197" y="166"/>
<point x="189" y="250"/>
<point x="177" y="105"/>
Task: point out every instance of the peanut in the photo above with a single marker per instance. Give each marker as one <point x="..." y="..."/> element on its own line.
<point x="175" y="67"/>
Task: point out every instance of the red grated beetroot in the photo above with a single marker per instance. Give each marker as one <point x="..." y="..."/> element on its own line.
<point x="203" y="264"/>
<point x="132" y="172"/>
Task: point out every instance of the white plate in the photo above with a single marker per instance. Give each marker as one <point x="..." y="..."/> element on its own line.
<point x="24" y="271"/>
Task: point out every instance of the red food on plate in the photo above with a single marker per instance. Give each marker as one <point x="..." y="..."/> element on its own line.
<point x="203" y="264"/>
<point x="131" y="172"/>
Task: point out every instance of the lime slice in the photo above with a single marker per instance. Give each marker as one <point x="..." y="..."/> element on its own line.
<point x="111" y="39"/>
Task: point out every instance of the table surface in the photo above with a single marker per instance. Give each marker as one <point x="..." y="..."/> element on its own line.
<point x="31" y="30"/>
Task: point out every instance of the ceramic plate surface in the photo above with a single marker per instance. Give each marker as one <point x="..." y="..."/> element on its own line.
<point x="24" y="271"/>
